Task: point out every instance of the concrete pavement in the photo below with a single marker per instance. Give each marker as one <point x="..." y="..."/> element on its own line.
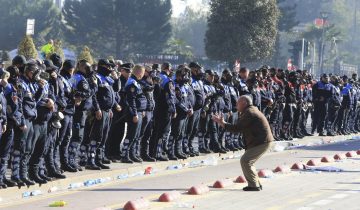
<point x="115" y="193"/>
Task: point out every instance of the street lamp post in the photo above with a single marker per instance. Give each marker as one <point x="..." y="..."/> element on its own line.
<point x="324" y="16"/>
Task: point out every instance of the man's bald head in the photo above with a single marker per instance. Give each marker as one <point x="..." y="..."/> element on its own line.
<point x="244" y="102"/>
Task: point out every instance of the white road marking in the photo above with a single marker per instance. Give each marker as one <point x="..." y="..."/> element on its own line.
<point x="305" y="208"/>
<point x="322" y="202"/>
<point x="338" y="196"/>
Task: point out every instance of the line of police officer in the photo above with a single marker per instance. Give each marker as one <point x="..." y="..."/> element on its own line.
<point x="59" y="116"/>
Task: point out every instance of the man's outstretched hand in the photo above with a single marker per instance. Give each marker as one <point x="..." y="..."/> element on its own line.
<point x="218" y="119"/>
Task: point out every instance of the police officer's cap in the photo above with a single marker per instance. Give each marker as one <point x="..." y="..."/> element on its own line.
<point x="166" y="65"/>
<point x="50" y="66"/>
<point x="210" y="72"/>
<point x="68" y="64"/>
<point x="31" y="65"/>
<point x="324" y="76"/>
<point x="56" y="60"/>
<point x="105" y="62"/>
<point x="19" y="60"/>
<point x="13" y="70"/>
<point x="194" y="65"/>
<point x="156" y="66"/>
<point x="127" y="66"/>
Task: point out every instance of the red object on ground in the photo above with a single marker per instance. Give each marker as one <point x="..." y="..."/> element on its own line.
<point x="169" y="196"/>
<point x="358" y="152"/>
<point x="223" y="183"/>
<point x="327" y="159"/>
<point x="313" y="162"/>
<point x="240" y="179"/>
<point x="148" y="170"/>
<point x="198" y="190"/>
<point x="137" y="204"/>
<point x="339" y="157"/>
<point x="282" y="169"/>
<point x="297" y="166"/>
<point x="351" y="154"/>
<point x="264" y="173"/>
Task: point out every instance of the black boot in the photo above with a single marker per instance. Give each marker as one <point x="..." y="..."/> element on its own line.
<point x="99" y="159"/>
<point x="9" y="182"/>
<point x="34" y="175"/>
<point x="18" y="181"/>
<point x="146" y="154"/>
<point x="56" y="174"/>
<point x="90" y="165"/>
<point x="2" y="185"/>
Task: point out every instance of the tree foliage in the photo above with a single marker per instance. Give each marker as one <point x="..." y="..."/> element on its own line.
<point x="13" y="21"/>
<point x="27" y="48"/>
<point x="241" y="29"/>
<point x="118" y="27"/>
<point x="191" y="27"/>
<point x="85" y="54"/>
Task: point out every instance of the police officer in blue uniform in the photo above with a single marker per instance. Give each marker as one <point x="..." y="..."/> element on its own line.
<point x="197" y="88"/>
<point x="117" y="130"/>
<point x="137" y="103"/>
<point x="165" y="111"/>
<point x="30" y="96"/>
<point x="321" y="94"/>
<point x="107" y="84"/>
<point x="146" y="132"/>
<point x="44" y="106"/>
<point x="68" y="109"/>
<point x="208" y="133"/>
<point x="7" y="129"/>
<point x="346" y="105"/>
<point x="56" y="87"/>
<point x="183" y="110"/>
<point x="334" y="106"/>
<point x="84" y="84"/>
<point x="290" y="106"/>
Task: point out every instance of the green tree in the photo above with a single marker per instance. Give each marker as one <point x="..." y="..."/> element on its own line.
<point x="241" y="29"/>
<point x="13" y="21"/>
<point x="27" y="48"/>
<point x="5" y="56"/>
<point x="191" y="27"/>
<point x="58" y="49"/>
<point x="121" y="27"/>
<point x="86" y="55"/>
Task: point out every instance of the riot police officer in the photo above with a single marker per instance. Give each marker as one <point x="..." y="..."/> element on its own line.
<point x="84" y="84"/>
<point x="321" y="94"/>
<point x="136" y="102"/>
<point x="334" y="106"/>
<point x="164" y="112"/>
<point x="104" y="101"/>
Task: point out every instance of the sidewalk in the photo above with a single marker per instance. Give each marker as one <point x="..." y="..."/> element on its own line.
<point x="128" y="172"/>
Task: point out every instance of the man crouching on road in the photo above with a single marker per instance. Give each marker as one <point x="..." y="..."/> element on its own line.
<point x="257" y="138"/>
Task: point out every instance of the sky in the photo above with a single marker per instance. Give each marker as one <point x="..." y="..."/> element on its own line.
<point x="180" y="5"/>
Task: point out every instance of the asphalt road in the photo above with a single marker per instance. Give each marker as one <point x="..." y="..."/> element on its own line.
<point x="295" y="190"/>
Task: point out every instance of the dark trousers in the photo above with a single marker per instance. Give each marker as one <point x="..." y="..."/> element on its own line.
<point x="176" y="136"/>
<point x="320" y="111"/>
<point x="25" y="140"/>
<point x="116" y="135"/>
<point x="50" y="157"/>
<point x="288" y="117"/>
<point x="99" y="134"/>
<point x="192" y="129"/>
<point x="62" y="142"/>
<point x="38" y="144"/>
<point x="146" y="132"/>
<point x="6" y="141"/>
<point x="162" y="131"/>
<point x="332" y="118"/>
<point x="132" y="138"/>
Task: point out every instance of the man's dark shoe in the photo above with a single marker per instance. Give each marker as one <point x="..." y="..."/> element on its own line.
<point x="252" y="188"/>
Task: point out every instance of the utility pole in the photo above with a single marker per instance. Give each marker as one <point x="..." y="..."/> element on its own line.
<point x="302" y="54"/>
<point x="324" y="16"/>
